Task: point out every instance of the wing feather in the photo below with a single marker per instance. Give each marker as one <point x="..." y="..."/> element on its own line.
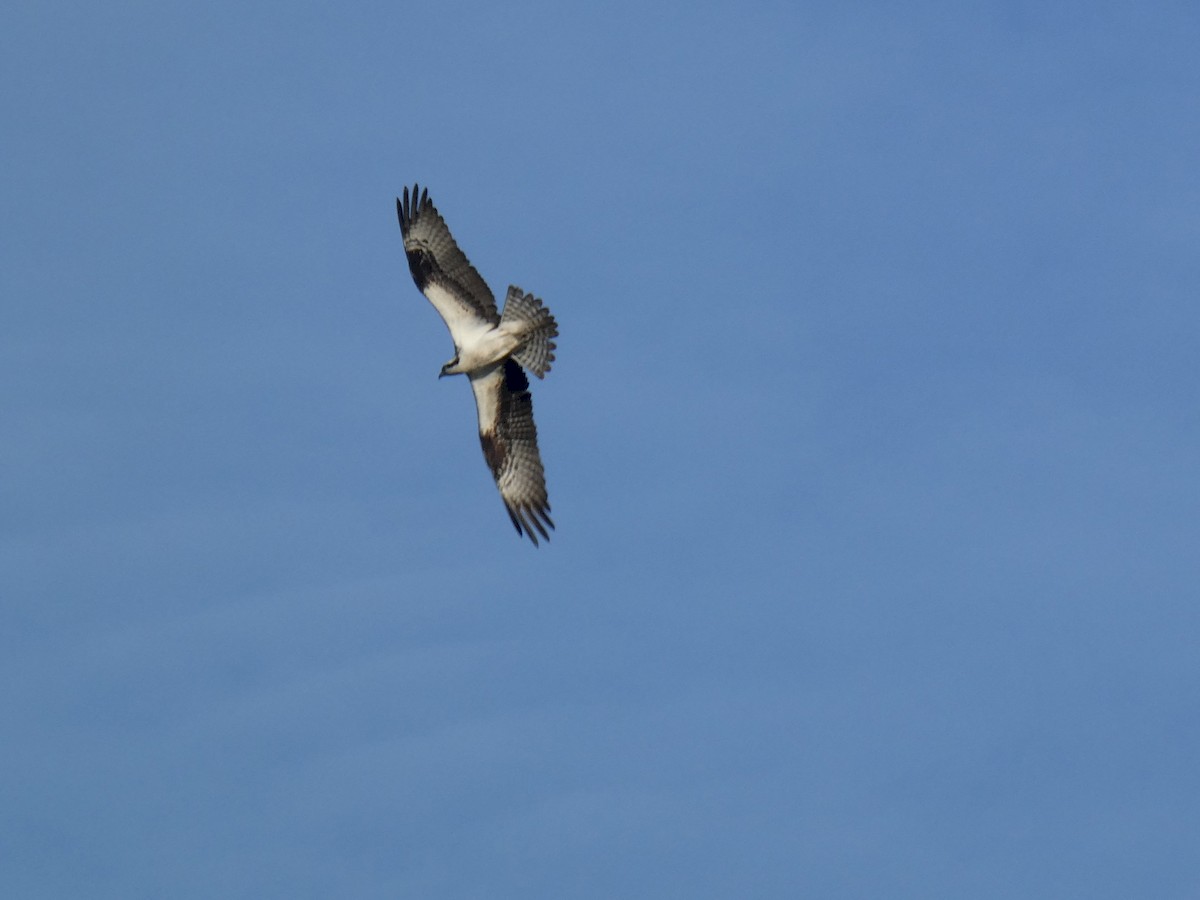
<point x="509" y="440"/>
<point x="439" y="268"/>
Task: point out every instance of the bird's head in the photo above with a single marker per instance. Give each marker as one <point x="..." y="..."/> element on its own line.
<point x="448" y="368"/>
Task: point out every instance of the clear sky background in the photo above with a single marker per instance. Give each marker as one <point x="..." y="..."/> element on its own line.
<point x="872" y="443"/>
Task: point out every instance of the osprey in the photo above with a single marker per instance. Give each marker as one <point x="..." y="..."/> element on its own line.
<point x="490" y="349"/>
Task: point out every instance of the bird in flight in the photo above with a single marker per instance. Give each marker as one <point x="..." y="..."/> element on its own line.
<point x="493" y="350"/>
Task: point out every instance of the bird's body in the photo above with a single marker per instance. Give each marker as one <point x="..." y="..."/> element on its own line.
<point x="490" y="349"/>
<point x="480" y="347"/>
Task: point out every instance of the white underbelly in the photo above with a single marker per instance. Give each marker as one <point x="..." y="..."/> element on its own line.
<point x="485" y="346"/>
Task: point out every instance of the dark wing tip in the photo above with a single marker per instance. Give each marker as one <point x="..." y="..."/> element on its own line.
<point x="515" y="515"/>
<point x="528" y="518"/>
<point x="408" y="207"/>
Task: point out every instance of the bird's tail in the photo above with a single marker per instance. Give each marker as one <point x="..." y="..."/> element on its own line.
<point x="525" y="317"/>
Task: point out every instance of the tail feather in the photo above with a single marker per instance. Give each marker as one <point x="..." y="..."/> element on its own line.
<point x="525" y="316"/>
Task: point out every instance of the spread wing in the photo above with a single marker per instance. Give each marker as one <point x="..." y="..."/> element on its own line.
<point x="439" y="268"/>
<point x="509" y="440"/>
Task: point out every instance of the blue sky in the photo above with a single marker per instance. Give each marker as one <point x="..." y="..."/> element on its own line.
<point x="872" y="445"/>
